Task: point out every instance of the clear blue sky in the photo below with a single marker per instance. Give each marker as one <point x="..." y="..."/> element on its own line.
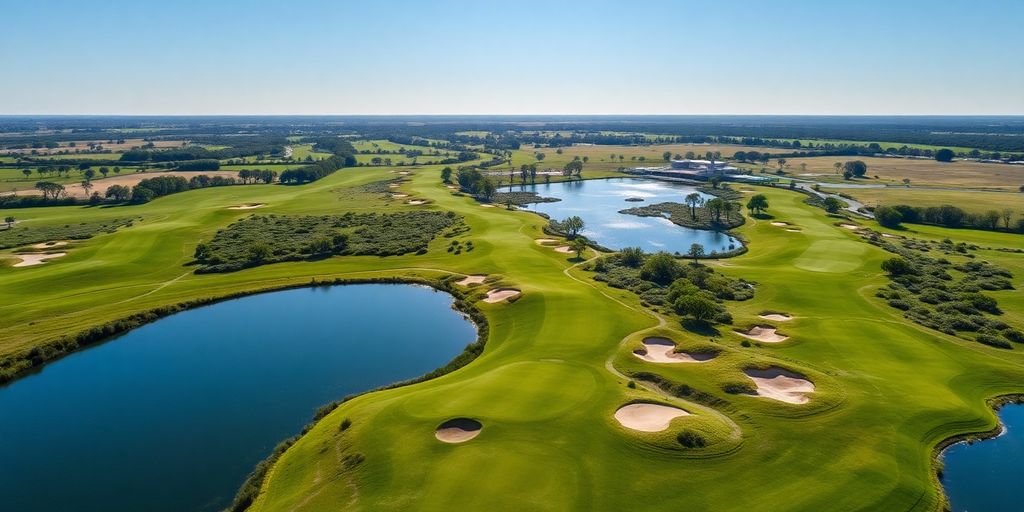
<point x="512" y="57"/>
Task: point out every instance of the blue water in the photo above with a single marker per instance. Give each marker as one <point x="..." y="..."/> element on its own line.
<point x="173" y="416"/>
<point x="598" y="203"/>
<point x="984" y="476"/>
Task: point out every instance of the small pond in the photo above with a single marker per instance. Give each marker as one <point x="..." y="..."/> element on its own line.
<point x="598" y="203"/>
<point x="174" y="415"/>
<point x="985" y="475"/>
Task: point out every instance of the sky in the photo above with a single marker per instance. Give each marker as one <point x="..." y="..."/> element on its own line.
<point x="511" y="57"/>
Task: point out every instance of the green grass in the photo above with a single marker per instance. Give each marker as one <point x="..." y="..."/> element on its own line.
<point x="551" y="376"/>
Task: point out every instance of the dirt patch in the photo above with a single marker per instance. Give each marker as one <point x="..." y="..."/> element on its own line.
<point x="776" y="317"/>
<point x="647" y="417"/>
<point x="764" y="333"/>
<point x="458" y="430"/>
<point x="468" y="280"/>
<point x="663" y="350"/>
<point x="500" y="294"/>
<point x="782" y="385"/>
<point x="31" y="259"/>
<point x="247" y="206"/>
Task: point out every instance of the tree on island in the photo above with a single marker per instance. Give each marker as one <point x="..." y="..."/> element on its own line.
<point x="717" y="206"/>
<point x="696" y="252"/>
<point x="693" y="200"/>
<point x="757" y="203"/>
<point x="944" y="155"/>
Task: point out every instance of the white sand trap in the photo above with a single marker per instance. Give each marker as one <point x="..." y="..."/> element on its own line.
<point x="564" y="249"/>
<point x="29" y="259"/>
<point x="246" y="206"/>
<point x="50" y="245"/>
<point x="546" y="241"/>
<point x="458" y="430"/>
<point x="451" y="187"/>
<point x="780" y="224"/>
<point x="850" y="226"/>
<point x="777" y="317"/>
<point x="474" y="279"/>
<point x="416" y="202"/>
<point x="404" y="173"/>
<point x="500" y="294"/>
<point x="765" y="333"/>
<point x="399" y="196"/>
<point x="781" y="385"/>
<point x="887" y="235"/>
<point x="647" y="417"/>
<point x="393" y="185"/>
<point x="487" y="205"/>
<point x="662" y="350"/>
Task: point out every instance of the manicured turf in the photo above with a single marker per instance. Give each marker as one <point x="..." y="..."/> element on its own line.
<point x="551" y="377"/>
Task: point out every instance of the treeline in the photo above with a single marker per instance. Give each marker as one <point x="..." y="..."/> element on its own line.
<point x="949" y="216"/>
<point x="315" y="171"/>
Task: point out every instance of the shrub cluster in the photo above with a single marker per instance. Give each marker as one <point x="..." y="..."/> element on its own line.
<point x="262" y="239"/>
<point x="19" y="235"/>
<point x="709" y="215"/>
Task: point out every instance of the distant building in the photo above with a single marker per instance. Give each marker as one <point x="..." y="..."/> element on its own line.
<point x="703" y="166"/>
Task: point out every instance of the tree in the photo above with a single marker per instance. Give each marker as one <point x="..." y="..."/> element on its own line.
<point x="856" y="168"/>
<point x="1007" y="217"/>
<point x="446" y="175"/>
<point x="888" y="216"/>
<point x="487" y="189"/>
<point x="666" y="156"/>
<point x="897" y="266"/>
<point x="574" y="167"/>
<point x="26" y="172"/>
<point x="578" y="245"/>
<point x="89" y="174"/>
<point x="757" y="203"/>
<point x="142" y="194"/>
<point x="631" y="256"/>
<point x="50" y="189"/>
<point x="717" y="206"/>
<point x="573" y="226"/>
<point x="906" y="182"/>
<point x="696" y="251"/>
<point x="87" y="186"/>
<point x="944" y="155"/>
<point x="694" y="200"/>
<point x="695" y="306"/>
<point x="781" y="163"/>
<point x="833" y="205"/>
<point x="661" y="268"/>
<point x="838" y="166"/>
<point x="990" y="219"/>
<point x="715" y="181"/>
<point x="104" y="171"/>
<point x="9" y="220"/>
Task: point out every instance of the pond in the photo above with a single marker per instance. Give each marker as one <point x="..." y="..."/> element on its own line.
<point x="175" y="414"/>
<point x="985" y="475"/>
<point x="598" y="203"/>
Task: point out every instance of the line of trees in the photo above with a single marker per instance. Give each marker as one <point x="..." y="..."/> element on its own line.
<point x="949" y="216"/>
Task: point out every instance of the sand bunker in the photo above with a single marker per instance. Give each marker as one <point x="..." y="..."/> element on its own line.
<point x="564" y="249"/>
<point x="246" y="206"/>
<point x="416" y="202"/>
<point x="887" y="235"/>
<point x="458" y="430"/>
<point x="487" y="205"/>
<point x="500" y="294"/>
<point x="781" y="385"/>
<point x="777" y="317"/>
<point x="765" y="333"/>
<point x="850" y="226"/>
<point x="393" y="185"/>
<point x="780" y="224"/>
<point x="474" y="279"/>
<point x="451" y="187"/>
<point x="398" y="196"/>
<point x="29" y="259"/>
<point x="49" y="245"/>
<point x="793" y="230"/>
<point x="546" y="241"/>
<point x="662" y="350"/>
<point x="647" y="417"/>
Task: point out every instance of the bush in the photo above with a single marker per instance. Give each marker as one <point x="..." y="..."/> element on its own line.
<point x="888" y="216"/>
<point x="944" y="155"/>
<point x="739" y="388"/>
<point x="897" y="266"/>
<point x="690" y="439"/>
<point x="631" y="256"/>
<point x="993" y="341"/>
<point x="661" y="268"/>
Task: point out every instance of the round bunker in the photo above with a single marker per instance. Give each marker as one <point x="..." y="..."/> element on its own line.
<point x="500" y="294"/>
<point x="415" y="202"/>
<point x="764" y="333"/>
<point x="565" y="249"/>
<point x="399" y="196"/>
<point x="779" y="223"/>
<point x="473" y="279"/>
<point x="458" y="430"/>
<point x="247" y="206"/>
<point x="776" y="317"/>
<point x="662" y="350"/>
<point x="30" y="259"/>
<point x="647" y="417"/>
<point x="780" y="384"/>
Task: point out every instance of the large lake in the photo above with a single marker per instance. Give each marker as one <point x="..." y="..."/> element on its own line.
<point x="173" y="416"/>
<point x="984" y="476"/>
<point x="598" y="203"/>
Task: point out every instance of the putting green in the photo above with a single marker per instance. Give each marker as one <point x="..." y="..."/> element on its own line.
<point x="557" y="363"/>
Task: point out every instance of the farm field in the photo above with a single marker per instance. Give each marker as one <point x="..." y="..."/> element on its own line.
<point x="558" y="360"/>
<point x="599" y="157"/>
<point x="892" y="171"/>
<point x="969" y="200"/>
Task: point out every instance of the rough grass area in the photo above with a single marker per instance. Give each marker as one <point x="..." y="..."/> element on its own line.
<point x="25" y="234"/>
<point x="263" y="239"/>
